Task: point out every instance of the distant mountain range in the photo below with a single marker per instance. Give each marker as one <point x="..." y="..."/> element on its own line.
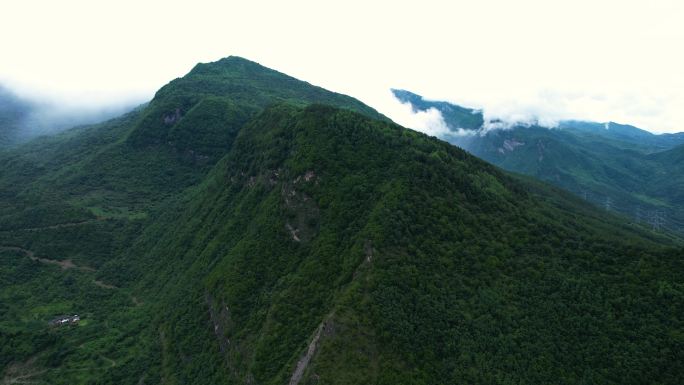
<point x="615" y="166"/>
<point x="22" y="119"/>
<point x="13" y="112"/>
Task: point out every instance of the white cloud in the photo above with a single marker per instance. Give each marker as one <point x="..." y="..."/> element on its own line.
<point x="430" y="122"/>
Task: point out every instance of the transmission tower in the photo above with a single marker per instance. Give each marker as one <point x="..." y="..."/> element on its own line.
<point x="608" y="204"/>
<point x="657" y="220"/>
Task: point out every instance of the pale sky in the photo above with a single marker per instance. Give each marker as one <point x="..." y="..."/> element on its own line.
<point x="550" y="60"/>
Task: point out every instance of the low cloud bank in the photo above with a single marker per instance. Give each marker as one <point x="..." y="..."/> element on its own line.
<point x="27" y="116"/>
<point x="51" y="118"/>
<point x="546" y="109"/>
<point x="430" y="121"/>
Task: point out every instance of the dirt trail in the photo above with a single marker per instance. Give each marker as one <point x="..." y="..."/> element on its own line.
<point x="63" y="264"/>
<point x="104" y="285"/>
<point x="21" y="372"/>
<point x="57" y="226"/>
<point x="22" y="379"/>
<point x="67" y="264"/>
<point x="112" y="363"/>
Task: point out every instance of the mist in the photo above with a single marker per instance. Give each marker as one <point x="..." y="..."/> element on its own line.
<point x="49" y="118"/>
<point x="26" y="114"/>
<point x="548" y="109"/>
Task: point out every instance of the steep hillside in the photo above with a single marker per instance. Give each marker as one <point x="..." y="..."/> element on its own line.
<point x="123" y="167"/>
<point x="395" y="258"/>
<point x="622" y="134"/>
<point x="617" y="167"/>
<point x="670" y="183"/>
<point x="323" y="245"/>
<point x="229" y="85"/>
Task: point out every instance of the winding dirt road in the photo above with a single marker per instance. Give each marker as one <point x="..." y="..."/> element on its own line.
<point x="63" y="264"/>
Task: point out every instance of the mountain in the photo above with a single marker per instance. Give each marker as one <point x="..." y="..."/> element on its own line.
<point x="13" y="111"/>
<point x="627" y="134"/>
<point x="618" y="167"/>
<point x="669" y="185"/>
<point x="24" y="118"/>
<point x="245" y="227"/>
<point x="455" y="116"/>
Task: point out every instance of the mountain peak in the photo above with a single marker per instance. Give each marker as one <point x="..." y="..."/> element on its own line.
<point x="230" y="84"/>
<point x="231" y="65"/>
<point x="246" y="81"/>
<point x="247" y="227"/>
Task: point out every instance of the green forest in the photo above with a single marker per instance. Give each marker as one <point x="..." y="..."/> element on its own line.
<point x="618" y="167"/>
<point x="245" y="227"/>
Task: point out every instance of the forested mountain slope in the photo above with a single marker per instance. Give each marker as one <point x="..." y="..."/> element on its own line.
<point x="316" y="243"/>
<point x="618" y="167"/>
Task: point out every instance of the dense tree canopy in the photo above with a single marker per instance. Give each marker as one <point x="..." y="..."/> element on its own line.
<point x="230" y="233"/>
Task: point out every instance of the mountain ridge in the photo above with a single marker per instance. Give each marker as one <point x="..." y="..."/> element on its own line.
<point x="456" y="115"/>
<point x="318" y="234"/>
<point x="619" y="168"/>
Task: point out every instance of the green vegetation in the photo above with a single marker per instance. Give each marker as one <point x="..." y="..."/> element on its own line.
<point x="618" y="167"/>
<point x="390" y="256"/>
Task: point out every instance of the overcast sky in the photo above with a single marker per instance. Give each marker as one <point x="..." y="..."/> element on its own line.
<point x="599" y="60"/>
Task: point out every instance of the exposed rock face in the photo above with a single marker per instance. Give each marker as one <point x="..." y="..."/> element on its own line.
<point x="368" y="250"/>
<point x="220" y="319"/>
<point x="540" y="150"/>
<point x="172" y="118"/>
<point x="303" y="212"/>
<point x="326" y="328"/>
<point x="510" y="145"/>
